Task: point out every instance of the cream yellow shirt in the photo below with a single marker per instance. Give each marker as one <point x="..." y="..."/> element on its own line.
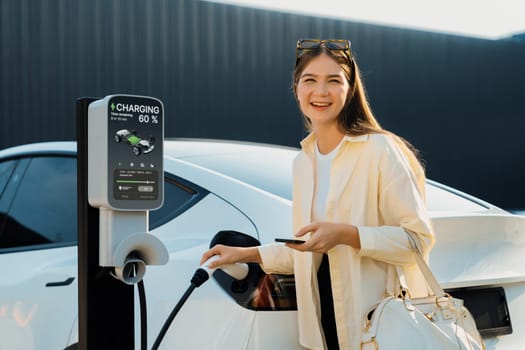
<point x="377" y="185"/>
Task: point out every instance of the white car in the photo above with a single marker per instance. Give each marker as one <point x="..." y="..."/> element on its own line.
<point x="214" y="186"/>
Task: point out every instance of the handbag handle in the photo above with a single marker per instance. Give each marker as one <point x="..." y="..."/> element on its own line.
<point x="430" y="279"/>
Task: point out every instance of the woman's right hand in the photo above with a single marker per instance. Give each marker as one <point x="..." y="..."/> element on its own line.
<point x="230" y="255"/>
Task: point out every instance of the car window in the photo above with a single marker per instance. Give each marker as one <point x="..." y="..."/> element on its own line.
<point x="43" y="210"/>
<point x="179" y="196"/>
<point x="6" y="169"/>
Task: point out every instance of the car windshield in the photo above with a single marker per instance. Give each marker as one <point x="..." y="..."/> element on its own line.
<point x="439" y="198"/>
<point x="266" y="168"/>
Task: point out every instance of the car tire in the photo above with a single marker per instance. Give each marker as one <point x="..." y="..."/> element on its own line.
<point x="118" y="138"/>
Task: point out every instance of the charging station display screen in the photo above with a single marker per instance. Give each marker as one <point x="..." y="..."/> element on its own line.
<point x="135" y="142"/>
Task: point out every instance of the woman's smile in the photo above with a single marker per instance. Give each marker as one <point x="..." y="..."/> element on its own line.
<point x="321" y="105"/>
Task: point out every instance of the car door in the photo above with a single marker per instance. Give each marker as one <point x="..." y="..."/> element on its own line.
<point x="38" y="236"/>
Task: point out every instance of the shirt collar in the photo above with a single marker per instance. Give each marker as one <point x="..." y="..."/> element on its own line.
<point x="308" y="143"/>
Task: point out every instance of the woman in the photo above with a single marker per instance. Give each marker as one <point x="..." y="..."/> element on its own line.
<point x="358" y="201"/>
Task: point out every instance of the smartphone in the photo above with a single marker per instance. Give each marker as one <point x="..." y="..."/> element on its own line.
<point x="287" y="240"/>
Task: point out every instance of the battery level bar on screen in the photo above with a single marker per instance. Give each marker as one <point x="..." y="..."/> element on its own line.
<point x="135" y="182"/>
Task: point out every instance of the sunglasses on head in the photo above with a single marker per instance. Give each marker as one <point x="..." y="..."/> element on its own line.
<point x="305" y="45"/>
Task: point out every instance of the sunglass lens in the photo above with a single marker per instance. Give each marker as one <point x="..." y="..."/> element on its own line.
<point x="337" y="45"/>
<point x="309" y="44"/>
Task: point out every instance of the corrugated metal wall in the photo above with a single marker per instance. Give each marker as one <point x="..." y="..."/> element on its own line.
<point x="224" y="72"/>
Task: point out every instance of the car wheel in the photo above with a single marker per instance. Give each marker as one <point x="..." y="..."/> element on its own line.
<point x="118" y="138"/>
<point x="136" y="151"/>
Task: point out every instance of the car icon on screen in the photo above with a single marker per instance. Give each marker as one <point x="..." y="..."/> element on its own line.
<point x="138" y="144"/>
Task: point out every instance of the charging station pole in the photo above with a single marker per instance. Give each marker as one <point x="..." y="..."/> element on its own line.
<point x="105" y="304"/>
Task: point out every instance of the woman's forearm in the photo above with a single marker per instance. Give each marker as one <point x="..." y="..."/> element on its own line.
<point x="350" y="236"/>
<point x="250" y="255"/>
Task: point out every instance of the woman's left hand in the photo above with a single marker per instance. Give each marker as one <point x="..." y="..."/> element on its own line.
<point x="326" y="235"/>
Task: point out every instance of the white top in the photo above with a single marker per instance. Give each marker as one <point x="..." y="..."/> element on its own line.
<point x="323" y="164"/>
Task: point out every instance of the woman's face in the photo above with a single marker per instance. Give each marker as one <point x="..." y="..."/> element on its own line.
<point x="322" y="90"/>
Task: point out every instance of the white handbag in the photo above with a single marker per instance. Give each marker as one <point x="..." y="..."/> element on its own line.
<point x="435" y="322"/>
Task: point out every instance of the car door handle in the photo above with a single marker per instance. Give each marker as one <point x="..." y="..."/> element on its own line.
<point x="67" y="282"/>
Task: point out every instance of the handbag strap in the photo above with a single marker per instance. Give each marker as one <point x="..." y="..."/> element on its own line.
<point x="430" y="279"/>
<point x="391" y="288"/>
<point x="429" y="276"/>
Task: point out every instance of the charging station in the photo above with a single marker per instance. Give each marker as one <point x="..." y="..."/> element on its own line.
<point x="120" y="178"/>
<point x="125" y="180"/>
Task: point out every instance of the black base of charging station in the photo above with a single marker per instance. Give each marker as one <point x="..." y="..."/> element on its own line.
<point x="105" y="305"/>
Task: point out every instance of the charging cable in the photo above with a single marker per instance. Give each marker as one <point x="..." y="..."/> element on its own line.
<point x="202" y="274"/>
<point x="143" y="316"/>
